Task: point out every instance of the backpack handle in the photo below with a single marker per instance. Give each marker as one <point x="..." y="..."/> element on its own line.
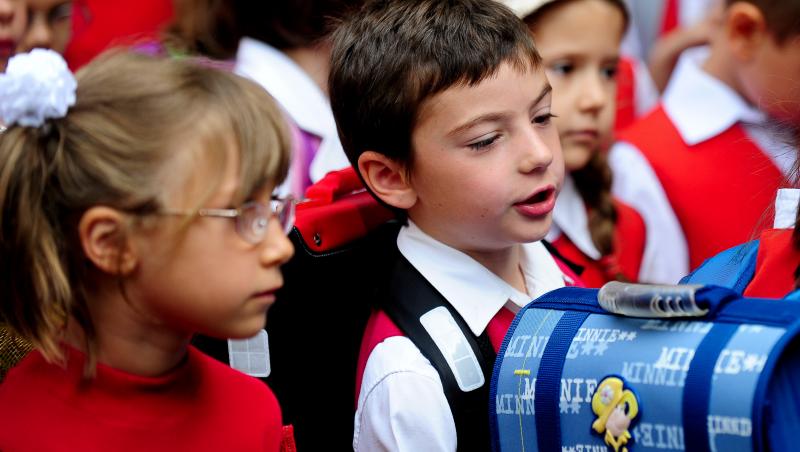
<point x="655" y="301"/>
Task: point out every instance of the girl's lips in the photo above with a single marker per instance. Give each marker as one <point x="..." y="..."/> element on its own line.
<point x="6" y="48"/>
<point x="268" y="296"/>
<point x="587" y="135"/>
<point x="539" y="204"/>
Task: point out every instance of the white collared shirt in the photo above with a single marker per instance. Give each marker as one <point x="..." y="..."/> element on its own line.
<point x="402" y="406"/>
<point x="701" y="107"/>
<point x="570" y="218"/>
<point x="299" y="96"/>
<point x="786" y="208"/>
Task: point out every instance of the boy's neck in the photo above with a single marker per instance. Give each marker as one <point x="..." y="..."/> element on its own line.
<point x="505" y="263"/>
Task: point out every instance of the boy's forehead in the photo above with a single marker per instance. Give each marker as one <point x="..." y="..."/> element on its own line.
<point x="469" y="100"/>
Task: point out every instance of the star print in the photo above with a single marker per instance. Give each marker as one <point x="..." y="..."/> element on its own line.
<point x="600" y="349"/>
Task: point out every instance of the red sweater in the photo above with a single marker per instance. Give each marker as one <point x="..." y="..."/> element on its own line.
<point x="201" y="406"/>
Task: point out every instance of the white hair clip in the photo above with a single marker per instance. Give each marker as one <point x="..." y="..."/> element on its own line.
<point x="36" y="86"/>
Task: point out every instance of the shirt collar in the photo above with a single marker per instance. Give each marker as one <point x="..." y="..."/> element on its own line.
<point x="700" y="105"/>
<point x="570" y="219"/>
<point x="476" y="293"/>
<point x="786" y="208"/>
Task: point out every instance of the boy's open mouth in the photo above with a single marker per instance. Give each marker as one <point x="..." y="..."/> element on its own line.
<point x="538" y="204"/>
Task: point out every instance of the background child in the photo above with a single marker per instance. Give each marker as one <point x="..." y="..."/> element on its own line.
<point x="285" y="49"/>
<point x="49" y="25"/>
<point x="12" y="26"/>
<point x="129" y="222"/>
<point x="580" y="55"/>
<point x="455" y="134"/>
<point x="708" y="144"/>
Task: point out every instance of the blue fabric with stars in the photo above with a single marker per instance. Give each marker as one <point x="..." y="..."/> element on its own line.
<point x="750" y="402"/>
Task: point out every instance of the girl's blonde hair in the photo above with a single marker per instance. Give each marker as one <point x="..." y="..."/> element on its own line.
<point x="134" y="113"/>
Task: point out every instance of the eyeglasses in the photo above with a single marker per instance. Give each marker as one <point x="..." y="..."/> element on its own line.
<point x="252" y="218"/>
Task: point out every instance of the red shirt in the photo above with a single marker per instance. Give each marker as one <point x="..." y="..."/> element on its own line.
<point x="203" y="405"/>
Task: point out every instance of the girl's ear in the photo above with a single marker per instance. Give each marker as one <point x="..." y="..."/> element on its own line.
<point x="387" y="179"/>
<point x="102" y="232"/>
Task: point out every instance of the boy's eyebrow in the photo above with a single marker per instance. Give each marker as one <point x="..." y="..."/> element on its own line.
<point x="489" y="117"/>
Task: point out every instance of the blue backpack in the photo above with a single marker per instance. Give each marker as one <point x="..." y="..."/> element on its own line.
<point x="733" y="268"/>
<point x="648" y="368"/>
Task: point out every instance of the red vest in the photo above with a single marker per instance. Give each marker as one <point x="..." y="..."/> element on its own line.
<point x="626" y="95"/>
<point x="775" y="265"/>
<point x="629" y="240"/>
<point x="720" y="189"/>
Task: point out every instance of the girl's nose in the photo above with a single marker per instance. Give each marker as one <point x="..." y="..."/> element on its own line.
<point x="277" y="249"/>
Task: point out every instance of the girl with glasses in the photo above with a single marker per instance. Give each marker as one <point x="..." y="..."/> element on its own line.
<point x="136" y="212"/>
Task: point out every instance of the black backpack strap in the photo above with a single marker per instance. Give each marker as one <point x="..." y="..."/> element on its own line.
<point x="409" y="295"/>
<point x="576" y="268"/>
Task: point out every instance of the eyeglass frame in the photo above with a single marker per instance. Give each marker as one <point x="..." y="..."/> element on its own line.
<point x="276" y="207"/>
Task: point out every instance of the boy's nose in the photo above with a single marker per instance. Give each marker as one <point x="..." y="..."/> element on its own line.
<point x="537" y="153"/>
<point x="277" y="249"/>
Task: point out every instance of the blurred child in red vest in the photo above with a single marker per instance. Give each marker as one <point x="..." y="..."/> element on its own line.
<point x="581" y="56"/>
<point x="704" y="166"/>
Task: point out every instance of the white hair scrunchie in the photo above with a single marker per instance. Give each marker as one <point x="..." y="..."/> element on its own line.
<point x="35" y="87"/>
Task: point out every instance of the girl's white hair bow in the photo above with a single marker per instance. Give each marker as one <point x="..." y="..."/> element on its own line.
<point x="35" y="87"/>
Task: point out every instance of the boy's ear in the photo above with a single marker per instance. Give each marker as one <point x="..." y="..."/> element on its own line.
<point x="745" y="29"/>
<point x="102" y="232"/>
<point x="387" y="179"/>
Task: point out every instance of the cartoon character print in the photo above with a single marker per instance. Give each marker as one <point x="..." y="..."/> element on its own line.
<point x="616" y="408"/>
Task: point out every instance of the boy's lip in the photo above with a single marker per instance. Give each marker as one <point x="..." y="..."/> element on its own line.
<point x="540" y="203"/>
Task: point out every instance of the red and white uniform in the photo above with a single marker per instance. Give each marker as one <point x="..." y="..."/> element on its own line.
<point x="401" y="401"/>
<point x="570" y="236"/>
<point x="701" y="168"/>
<point x="777" y="257"/>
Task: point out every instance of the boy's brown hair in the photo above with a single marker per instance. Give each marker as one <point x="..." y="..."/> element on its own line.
<point x="392" y="55"/>
<point x="782" y="16"/>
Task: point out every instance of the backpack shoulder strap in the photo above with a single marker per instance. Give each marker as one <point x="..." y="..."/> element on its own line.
<point x="733" y="268"/>
<point x="464" y="362"/>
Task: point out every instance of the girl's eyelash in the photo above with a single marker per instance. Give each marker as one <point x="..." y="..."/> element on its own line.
<point x="483" y="143"/>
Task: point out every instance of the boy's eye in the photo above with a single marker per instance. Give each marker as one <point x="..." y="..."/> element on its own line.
<point x="483" y="143"/>
<point x="543" y="119"/>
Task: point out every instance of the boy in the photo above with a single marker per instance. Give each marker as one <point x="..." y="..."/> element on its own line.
<point x="443" y="108"/>
<point x="708" y="144"/>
